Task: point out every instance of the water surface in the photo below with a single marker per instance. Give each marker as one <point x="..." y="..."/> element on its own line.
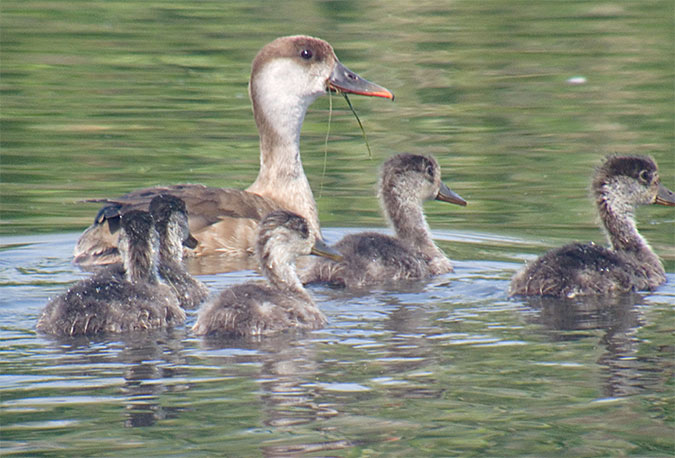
<point x="517" y="100"/>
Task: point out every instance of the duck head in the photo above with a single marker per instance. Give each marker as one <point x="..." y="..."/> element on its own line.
<point x="289" y="73"/>
<point x="417" y="177"/>
<point x="622" y="182"/>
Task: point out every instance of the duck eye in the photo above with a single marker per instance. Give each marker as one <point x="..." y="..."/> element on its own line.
<point x="430" y="170"/>
<point x="644" y="176"/>
<point x="306" y="54"/>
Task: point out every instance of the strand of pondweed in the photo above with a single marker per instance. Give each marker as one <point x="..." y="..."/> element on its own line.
<point x="363" y="131"/>
<point x="325" y="143"/>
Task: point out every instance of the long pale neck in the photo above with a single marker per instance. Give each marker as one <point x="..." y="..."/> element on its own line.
<point x="281" y="176"/>
<point x="407" y="218"/>
<point x="280" y="271"/>
<point x="618" y="219"/>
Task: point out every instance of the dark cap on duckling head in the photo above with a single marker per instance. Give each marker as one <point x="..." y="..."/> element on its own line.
<point x="641" y="170"/>
<point x="163" y="207"/>
<point x="137" y="224"/>
<point x="418" y="175"/>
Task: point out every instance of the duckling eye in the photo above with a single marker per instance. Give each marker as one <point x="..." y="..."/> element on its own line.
<point x="306" y="54"/>
<point x="644" y="176"/>
<point x="430" y="171"/>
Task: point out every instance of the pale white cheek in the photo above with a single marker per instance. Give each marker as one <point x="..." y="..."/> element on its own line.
<point x="284" y="83"/>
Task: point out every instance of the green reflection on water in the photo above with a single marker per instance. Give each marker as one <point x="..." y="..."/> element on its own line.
<point x="102" y="98"/>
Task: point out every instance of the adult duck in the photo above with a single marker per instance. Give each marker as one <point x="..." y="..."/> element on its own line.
<point x="620" y="184"/>
<point x="287" y="75"/>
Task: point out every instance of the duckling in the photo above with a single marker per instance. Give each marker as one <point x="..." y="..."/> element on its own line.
<point x="259" y="308"/>
<point x="110" y="303"/>
<point x="406" y="182"/>
<point x="171" y="222"/>
<point x="629" y="264"/>
<point x="287" y="75"/>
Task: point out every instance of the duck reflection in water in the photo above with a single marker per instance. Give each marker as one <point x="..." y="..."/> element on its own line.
<point x="620" y="184"/>
<point x="406" y="182"/>
<point x="614" y="320"/>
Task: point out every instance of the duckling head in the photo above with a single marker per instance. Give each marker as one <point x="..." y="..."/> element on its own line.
<point x="623" y="182"/>
<point x="414" y="178"/>
<point x="171" y="221"/>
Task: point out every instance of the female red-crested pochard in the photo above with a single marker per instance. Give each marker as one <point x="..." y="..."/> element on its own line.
<point x="287" y="75"/>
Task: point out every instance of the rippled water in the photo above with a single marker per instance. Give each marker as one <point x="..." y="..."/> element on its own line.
<point x="517" y="100"/>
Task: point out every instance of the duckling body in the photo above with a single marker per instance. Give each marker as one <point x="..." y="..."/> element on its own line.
<point x="287" y="75"/>
<point x="406" y="182"/>
<point x="171" y="222"/>
<point x="109" y="302"/>
<point x="259" y="308"/>
<point x="628" y="264"/>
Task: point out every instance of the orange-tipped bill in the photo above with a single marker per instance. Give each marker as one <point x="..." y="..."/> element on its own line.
<point x="345" y="80"/>
<point x="665" y="197"/>
<point x="448" y="195"/>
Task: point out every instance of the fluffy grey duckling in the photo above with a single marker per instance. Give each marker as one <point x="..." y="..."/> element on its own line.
<point x="171" y="222"/>
<point x="628" y="264"/>
<point x="406" y="182"/>
<point x="109" y="302"/>
<point x="258" y="308"/>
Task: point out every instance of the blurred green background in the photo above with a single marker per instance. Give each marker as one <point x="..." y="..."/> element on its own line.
<point x="99" y="98"/>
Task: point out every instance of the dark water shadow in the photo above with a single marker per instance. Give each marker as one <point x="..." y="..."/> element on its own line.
<point x="616" y="320"/>
<point x="146" y="361"/>
<point x="289" y="397"/>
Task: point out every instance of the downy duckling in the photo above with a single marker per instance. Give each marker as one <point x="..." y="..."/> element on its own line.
<point x="257" y="308"/>
<point x="171" y="222"/>
<point x="110" y="303"/>
<point x="406" y="182"/>
<point x="287" y="75"/>
<point x="629" y="264"/>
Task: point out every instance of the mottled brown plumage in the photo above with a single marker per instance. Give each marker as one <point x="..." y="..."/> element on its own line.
<point x="628" y="264"/>
<point x="406" y="182"/>
<point x="114" y="302"/>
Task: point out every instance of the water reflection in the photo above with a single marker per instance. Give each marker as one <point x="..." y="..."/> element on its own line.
<point x="288" y="368"/>
<point x="146" y="361"/>
<point x="618" y="319"/>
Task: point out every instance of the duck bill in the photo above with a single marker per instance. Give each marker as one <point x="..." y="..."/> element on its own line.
<point x="345" y="80"/>
<point x="321" y="249"/>
<point x="191" y="242"/>
<point x="665" y="197"/>
<point x="448" y="195"/>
